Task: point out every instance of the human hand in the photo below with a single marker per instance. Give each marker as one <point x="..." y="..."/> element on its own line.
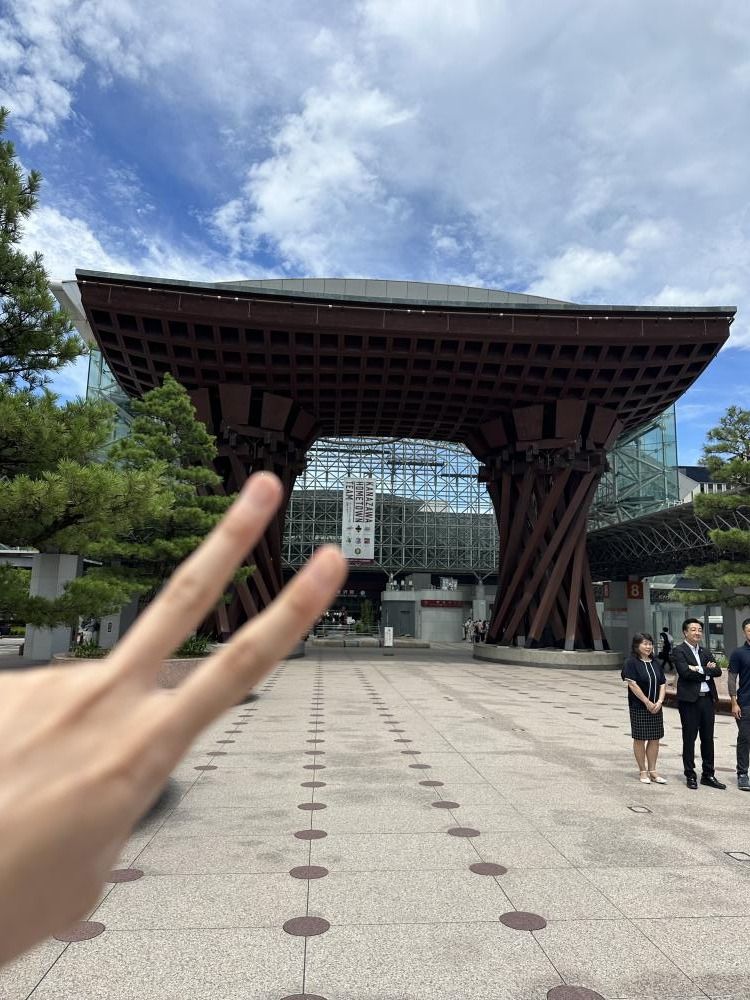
<point x="86" y="750"/>
<point x="736" y="710"/>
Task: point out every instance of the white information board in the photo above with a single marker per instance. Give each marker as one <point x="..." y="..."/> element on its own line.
<point x="388" y="635"/>
<point x="358" y="522"/>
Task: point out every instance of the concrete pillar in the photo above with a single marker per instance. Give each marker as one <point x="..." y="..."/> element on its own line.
<point x="639" y="607"/>
<point x="479" y="604"/>
<point x="627" y="610"/>
<point x="113" y="627"/>
<point x="615" y="617"/>
<point x="49" y="574"/>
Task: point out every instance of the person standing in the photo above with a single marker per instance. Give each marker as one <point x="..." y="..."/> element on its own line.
<point x="739" y="670"/>
<point x="696" y="700"/>
<point x="666" y="647"/>
<point x="647" y="687"/>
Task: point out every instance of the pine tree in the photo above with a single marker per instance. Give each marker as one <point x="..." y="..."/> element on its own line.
<point x="36" y="339"/>
<point x="727" y="456"/>
<point x="166" y="437"/>
<point x="55" y="493"/>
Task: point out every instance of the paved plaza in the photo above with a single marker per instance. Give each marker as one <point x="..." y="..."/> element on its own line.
<point x="415" y="827"/>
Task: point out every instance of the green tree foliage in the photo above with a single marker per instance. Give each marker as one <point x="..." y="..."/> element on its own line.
<point x="727" y="456"/>
<point x="36" y="339"/>
<point x="55" y="495"/>
<point x="36" y="432"/>
<point x="167" y="438"/>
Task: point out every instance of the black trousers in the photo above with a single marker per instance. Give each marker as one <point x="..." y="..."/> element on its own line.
<point x="743" y="743"/>
<point x="697" y="717"/>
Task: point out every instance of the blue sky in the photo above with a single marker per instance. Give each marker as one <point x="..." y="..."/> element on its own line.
<point x="591" y="152"/>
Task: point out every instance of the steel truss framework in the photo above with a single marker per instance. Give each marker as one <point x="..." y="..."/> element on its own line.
<point x="432" y="513"/>
<point x="526" y="385"/>
<point x="659" y="543"/>
<point x="641" y="477"/>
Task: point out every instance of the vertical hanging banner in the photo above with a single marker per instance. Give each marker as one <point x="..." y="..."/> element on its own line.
<point x="358" y="522"/>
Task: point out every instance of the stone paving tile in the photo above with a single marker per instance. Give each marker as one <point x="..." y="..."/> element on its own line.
<point x="195" y="964"/>
<point x="408" y="852"/>
<point x="712" y="951"/>
<point x="528" y="849"/>
<point x="18" y="978"/>
<point x="628" y="847"/>
<point x="406" y="897"/>
<point x="177" y="855"/>
<point x="613" y="958"/>
<point x="700" y="891"/>
<point x="202" y="901"/>
<point x="393" y="819"/>
<point x="557" y="894"/>
<point x="449" y="962"/>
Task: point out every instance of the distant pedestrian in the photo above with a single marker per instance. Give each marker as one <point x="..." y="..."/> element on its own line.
<point x="666" y="648"/>
<point x="739" y="670"/>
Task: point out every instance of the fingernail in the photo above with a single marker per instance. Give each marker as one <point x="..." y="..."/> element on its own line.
<point x="326" y="566"/>
<point x="262" y="490"/>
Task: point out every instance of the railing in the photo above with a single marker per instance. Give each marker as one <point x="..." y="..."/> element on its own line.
<point x="327" y="630"/>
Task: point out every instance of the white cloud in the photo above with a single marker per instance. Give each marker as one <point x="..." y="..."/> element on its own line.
<point x="323" y="192"/>
<point x="69" y="242"/>
<point x="574" y="150"/>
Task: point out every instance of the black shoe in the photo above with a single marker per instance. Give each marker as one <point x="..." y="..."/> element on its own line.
<point x="691" y="781"/>
<point x="743" y="782"/>
<point x="711" y="781"/>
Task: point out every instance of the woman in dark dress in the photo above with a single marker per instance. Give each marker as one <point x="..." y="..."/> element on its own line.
<point x="647" y="687"/>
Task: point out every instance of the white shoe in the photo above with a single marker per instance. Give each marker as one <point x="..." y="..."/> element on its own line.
<point x="645" y="780"/>
<point x="657" y="778"/>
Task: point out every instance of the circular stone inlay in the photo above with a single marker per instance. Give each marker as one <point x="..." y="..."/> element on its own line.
<point x="572" y="993"/>
<point x="487" y="868"/>
<point x="310" y="834"/>
<point x="84" y="930"/>
<point x="226" y="741"/>
<point x="313" y="753"/>
<point x="125" y="875"/>
<point x="314" y="741"/>
<point x="445" y="804"/>
<point x="413" y="753"/>
<point x="463" y="831"/>
<point x="431" y="784"/>
<point x="206" y="767"/>
<point x="306" y="926"/>
<point x="311" y="806"/>
<point x="309" y="871"/>
<point x="421" y="767"/>
<point x="216" y="753"/>
<point x="520" y="920"/>
<point x="313" y="784"/>
<point x="313" y="767"/>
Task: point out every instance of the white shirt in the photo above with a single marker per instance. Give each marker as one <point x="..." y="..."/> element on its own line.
<point x="704" y="683"/>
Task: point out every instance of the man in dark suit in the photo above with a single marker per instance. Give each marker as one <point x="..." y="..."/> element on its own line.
<point x="696" y="699"/>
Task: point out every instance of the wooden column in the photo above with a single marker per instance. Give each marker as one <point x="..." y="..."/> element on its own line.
<point x="255" y="431"/>
<point x="542" y="465"/>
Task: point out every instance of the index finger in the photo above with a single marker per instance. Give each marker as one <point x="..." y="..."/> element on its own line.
<point x="198" y="583"/>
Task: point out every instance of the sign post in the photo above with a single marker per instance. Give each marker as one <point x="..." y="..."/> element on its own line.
<point x="388" y="640"/>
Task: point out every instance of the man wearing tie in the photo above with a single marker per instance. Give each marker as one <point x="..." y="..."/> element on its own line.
<point x="696" y="698"/>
